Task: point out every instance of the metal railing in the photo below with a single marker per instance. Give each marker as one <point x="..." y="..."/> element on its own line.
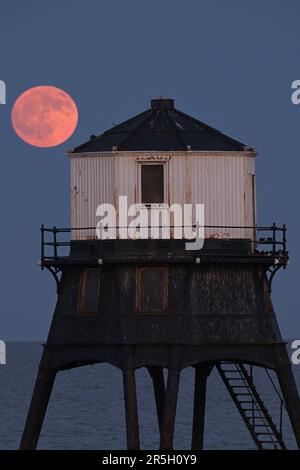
<point x="272" y="238"/>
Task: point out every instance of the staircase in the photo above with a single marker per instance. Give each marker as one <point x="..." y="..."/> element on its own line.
<point x="239" y="383"/>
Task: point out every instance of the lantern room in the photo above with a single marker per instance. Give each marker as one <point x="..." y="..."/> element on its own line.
<point x="163" y="157"/>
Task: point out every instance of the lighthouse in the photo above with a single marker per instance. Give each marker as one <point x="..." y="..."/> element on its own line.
<point x="187" y="285"/>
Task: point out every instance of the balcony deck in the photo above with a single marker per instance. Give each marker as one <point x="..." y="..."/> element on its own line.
<point x="268" y="246"/>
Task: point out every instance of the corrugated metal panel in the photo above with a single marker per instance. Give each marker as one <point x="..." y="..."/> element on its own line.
<point x="125" y="178"/>
<point x="177" y="180"/>
<point x="223" y="183"/>
<point x="219" y="183"/>
<point x="125" y="185"/>
<point x="91" y="184"/>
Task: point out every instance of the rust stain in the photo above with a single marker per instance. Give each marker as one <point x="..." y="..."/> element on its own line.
<point x="219" y="235"/>
<point x="214" y="235"/>
<point x="188" y="180"/>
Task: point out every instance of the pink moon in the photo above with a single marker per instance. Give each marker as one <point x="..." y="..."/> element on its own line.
<point x="44" y="116"/>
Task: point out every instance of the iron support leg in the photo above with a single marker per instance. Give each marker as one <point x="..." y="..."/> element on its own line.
<point x="39" y="402"/>
<point x="131" y="412"/>
<point x="169" y="414"/>
<point x="201" y="373"/>
<point x="157" y="375"/>
<point x="291" y="398"/>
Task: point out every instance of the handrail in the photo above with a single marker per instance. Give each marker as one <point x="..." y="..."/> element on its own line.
<point x="246" y="227"/>
<point x="276" y="239"/>
<point x="281" y="400"/>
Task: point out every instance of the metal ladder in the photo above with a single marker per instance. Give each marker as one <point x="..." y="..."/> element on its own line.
<point x="240" y="385"/>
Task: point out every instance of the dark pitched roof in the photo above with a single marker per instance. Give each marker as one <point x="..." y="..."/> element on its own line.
<point x="162" y="127"/>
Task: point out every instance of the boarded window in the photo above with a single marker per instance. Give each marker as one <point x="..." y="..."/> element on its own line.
<point x="152" y="290"/>
<point x="152" y="184"/>
<point x="89" y="295"/>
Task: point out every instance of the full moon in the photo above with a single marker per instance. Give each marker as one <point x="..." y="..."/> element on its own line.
<point x="44" y="116"/>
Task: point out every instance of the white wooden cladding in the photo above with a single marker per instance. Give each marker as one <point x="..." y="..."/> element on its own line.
<point x="224" y="182"/>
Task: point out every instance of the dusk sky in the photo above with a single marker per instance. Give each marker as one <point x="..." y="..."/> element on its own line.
<point x="228" y="63"/>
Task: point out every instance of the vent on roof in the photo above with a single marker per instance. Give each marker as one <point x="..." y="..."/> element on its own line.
<point x="162" y="104"/>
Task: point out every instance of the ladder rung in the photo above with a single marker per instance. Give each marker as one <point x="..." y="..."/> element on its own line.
<point x="234" y="378"/>
<point x="262" y="425"/>
<point x="269" y="442"/>
<point x="228" y="363"/>
<point x="239" y="386"/>
<point x="275" y="448"/>
<point x="269" y="435"/>
<point x="251" y="409"/>
<point x="254" y="425"/>
<point x="256" y="403"/>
